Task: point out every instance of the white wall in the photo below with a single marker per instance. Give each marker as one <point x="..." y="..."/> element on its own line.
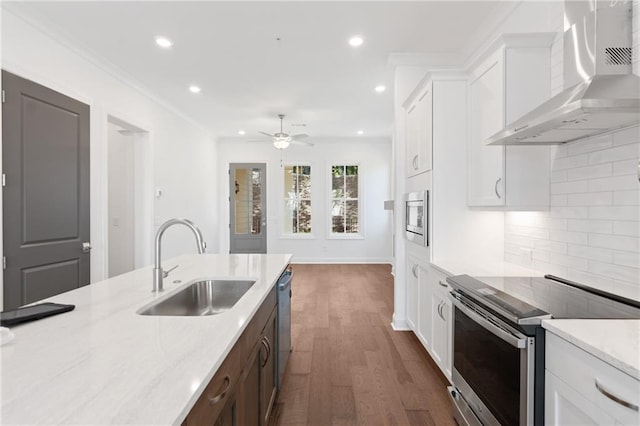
<point x="121" y="200"/>
<point x="182" y="160"/>
<point x="374" y="159"/>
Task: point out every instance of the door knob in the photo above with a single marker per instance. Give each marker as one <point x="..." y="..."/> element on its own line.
<point x="86" y="247"/>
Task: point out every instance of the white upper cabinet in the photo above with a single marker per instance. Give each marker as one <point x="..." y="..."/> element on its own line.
<point x="419" y="122"/>
<point x="506" y="83"/>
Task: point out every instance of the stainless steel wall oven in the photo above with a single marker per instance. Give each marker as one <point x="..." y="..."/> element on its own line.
<point x="417" y="217"/>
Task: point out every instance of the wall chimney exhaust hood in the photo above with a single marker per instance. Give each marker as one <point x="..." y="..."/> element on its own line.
<point x="601" y="92"/>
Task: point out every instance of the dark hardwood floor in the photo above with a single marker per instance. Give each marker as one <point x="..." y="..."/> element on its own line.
<point x="348" y="367"/>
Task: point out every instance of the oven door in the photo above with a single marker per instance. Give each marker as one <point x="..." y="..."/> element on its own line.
<point x="493" y="365"/>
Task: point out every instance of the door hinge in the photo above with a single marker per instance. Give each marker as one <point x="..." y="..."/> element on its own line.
<point x="4" y="262"/>
<point x="4" y="180"/>
<point x="3" y="97"/>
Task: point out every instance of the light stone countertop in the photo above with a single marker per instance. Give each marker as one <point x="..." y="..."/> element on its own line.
<point x="104" y="364"/>
<point x="616" y="342"/>
<point x="483" y="269"/>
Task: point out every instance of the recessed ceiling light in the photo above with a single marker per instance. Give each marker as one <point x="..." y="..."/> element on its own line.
<point x="356" y="41"/>
<point x="381" y="88"/>
<point x="194" y="89"/>
<point x="360" y="132"/>
<point x="242" y="132"/>
<point x="163" y="42"/>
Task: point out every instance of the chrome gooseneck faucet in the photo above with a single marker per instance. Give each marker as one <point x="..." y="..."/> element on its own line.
<point x="158" y="273"/>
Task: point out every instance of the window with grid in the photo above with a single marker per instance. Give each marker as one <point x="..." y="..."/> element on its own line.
<point x="297" y="198"/>
<point x="345" y="201"/>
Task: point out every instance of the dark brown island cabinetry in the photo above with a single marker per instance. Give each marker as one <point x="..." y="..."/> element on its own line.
<point x="243" y="389"/>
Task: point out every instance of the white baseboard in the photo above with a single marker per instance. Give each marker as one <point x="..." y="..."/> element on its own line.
<point x="340" y="260"/>
<point x="399" y="325"/>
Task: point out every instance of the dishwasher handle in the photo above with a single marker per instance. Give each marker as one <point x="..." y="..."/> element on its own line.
<point x="284" y="282"/>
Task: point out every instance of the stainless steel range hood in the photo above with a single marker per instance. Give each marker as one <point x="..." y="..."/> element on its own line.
<point x="601" y="92"/>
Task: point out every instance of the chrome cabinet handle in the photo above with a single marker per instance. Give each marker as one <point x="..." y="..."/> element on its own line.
<point x="415" y="162"/>
<point x="439" y="306"/>
<point x="414" y="269"/>
<point x="223" y="393"/>
<point x="267" y="345"/>
<point x="615" y="398"/>
<point x="495" y="188"/>
<point x="442" y="284"/>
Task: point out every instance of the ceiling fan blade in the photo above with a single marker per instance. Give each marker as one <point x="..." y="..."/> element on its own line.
<point x="300" y="136"/>
<point x="266" y="134"/>
<point x="257" y="140"/>
<point x="305" y="143"/>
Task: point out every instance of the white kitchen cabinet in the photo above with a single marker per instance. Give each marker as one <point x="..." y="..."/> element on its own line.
<point x="582" y="389"/>
<point x="504" y="84"/>
<point x="425" y="294"/>
<point x="441" y="322"/>
<point x="419" y="130"/>
<point x="413" y="280"/>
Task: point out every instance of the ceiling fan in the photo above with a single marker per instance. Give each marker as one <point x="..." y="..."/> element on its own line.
<point x="282" y="140"/>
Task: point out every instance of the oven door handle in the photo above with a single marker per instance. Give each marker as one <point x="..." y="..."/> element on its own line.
<point x="515" y="341"/>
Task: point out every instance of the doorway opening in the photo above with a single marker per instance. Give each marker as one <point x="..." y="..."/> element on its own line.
<point x="129" y="201"/>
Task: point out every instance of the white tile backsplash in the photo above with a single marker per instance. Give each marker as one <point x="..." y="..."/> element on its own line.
<point x="591" y="233"/>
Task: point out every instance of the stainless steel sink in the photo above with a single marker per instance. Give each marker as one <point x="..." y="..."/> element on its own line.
<point x="206" y="297"/>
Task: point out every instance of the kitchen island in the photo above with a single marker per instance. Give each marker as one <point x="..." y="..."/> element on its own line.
<point x="104" y="364"/>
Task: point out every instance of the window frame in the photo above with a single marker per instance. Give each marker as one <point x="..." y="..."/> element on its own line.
<point x="292" y="235"/>
<point x="329" y="202"/>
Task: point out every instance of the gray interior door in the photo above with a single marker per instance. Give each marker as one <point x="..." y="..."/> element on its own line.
<point x="45" y="155"/>
<point x="247" y="205"/>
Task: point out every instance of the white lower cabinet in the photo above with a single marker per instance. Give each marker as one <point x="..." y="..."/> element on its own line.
<point x="429" y="311"/>
<point x="413" y="279"/>
<point x="441" y="341"/>
<point x="566" y="406"/>
<point x="581" y="389"/>
<point x="426" y="317"/>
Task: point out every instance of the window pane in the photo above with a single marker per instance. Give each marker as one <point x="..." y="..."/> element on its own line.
<point x="344" y="190"/>
<point x="351" y="186"/>
<point x="337" y="216"/>
<point x="304" y="186"/>
<point x="256" y="218"/>
<point x="297" y="193"/>
<point x="351" y="213"/>
<point x="304" y="217"/>
<point x="242" y="218"/>
<point x="289" y="182"/>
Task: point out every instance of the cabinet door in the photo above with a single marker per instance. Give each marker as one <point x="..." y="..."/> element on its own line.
<point x="565" y="406"/>
<point x="413" y="277"/>
<point x="439" y="329"/>
<point x="228" y="415"/>
<point x="425" y="145"/>
<point x="268" y="356"/>
<point x="248" y="393"/>
<point x="424" y="296"/>
<point x="413" y="139"/>
<point x="486" y="163"/>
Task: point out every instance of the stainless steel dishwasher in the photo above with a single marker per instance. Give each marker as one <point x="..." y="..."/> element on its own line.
<point x="284" y="322"/>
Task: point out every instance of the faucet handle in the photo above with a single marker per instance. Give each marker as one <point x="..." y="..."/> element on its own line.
<point x="165" y="274"/>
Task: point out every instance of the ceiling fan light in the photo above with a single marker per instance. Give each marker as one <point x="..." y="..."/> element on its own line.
<point x="281" y="142"/>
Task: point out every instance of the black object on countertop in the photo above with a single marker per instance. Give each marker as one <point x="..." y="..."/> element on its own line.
<point x="32" y="313"/>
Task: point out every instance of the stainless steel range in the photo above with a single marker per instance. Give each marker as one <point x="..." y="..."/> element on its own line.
<point x="498" y="342"/>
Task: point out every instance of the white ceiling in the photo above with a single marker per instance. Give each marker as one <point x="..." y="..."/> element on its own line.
<point x="230" y="50"/>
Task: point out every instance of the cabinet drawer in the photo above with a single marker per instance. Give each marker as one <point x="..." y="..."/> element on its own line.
<point x="220" y="388"/>
<point x="597" y="381"/>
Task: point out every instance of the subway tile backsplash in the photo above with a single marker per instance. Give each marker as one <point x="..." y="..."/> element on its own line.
<point x="591" y="232"/>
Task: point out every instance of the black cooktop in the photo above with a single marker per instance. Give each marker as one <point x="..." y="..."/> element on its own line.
<point x="527" y="300"/>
